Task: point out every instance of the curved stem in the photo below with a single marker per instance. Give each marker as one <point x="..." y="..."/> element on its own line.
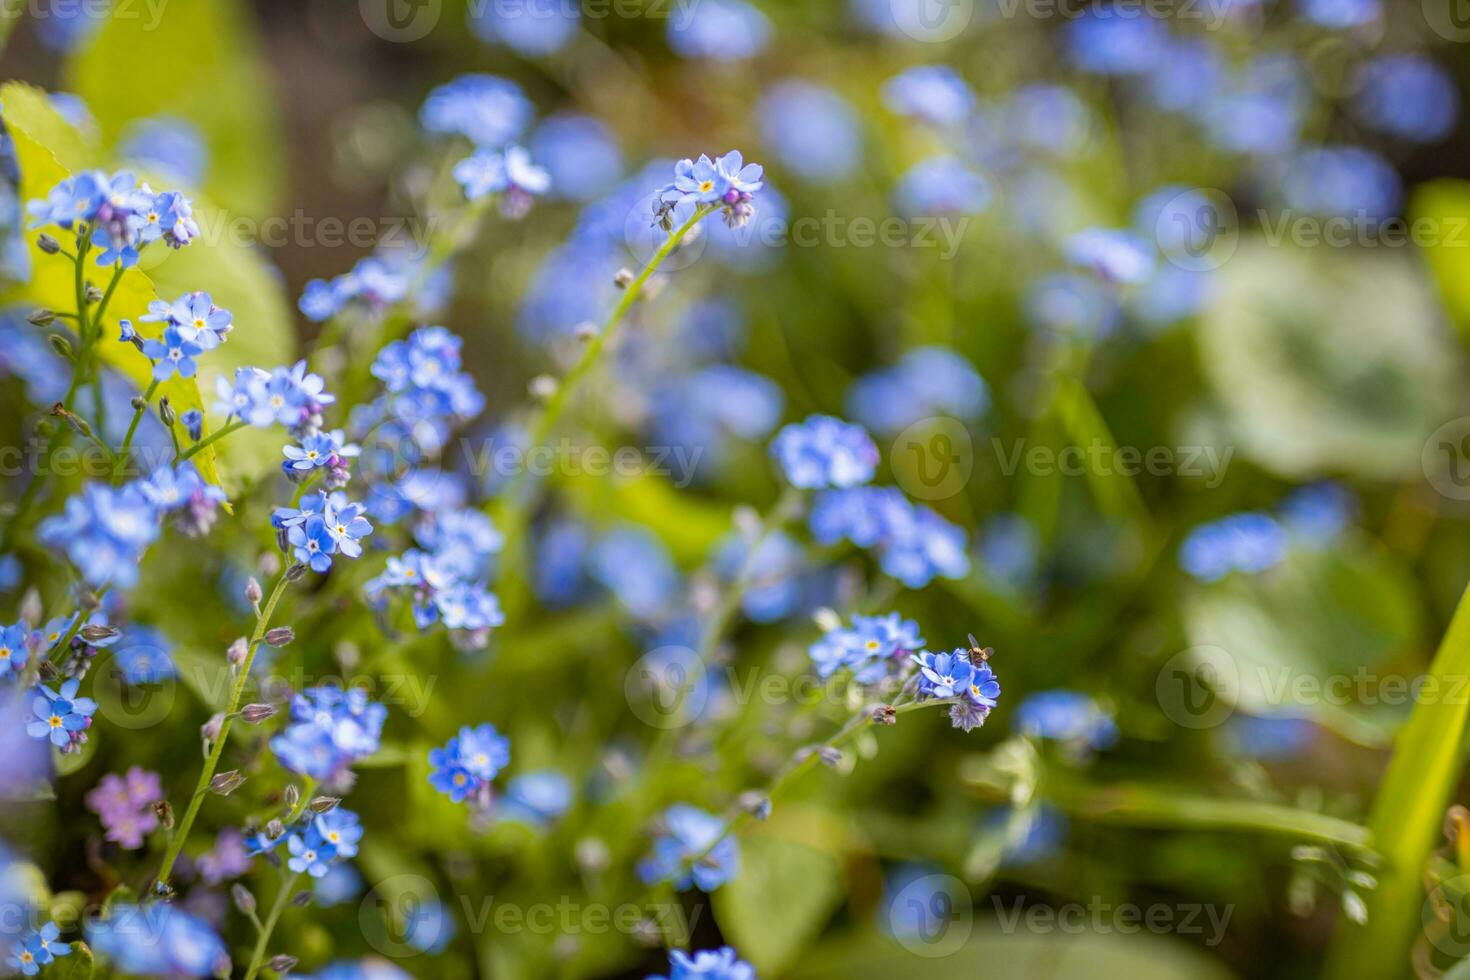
<point x="120" y="464"/>
<point x="201" y="788"/>
<point x="277" y="907"/>
<point x="210" y="439"/>
<point x="517" y="497"/>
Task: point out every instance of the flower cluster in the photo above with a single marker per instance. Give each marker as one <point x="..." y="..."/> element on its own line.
<point x="289" y="396"/>
<point x="465" y="765"/>
<point x="955" y="676"/>
<point x="158" y="940"/>
<point x="1246" y="542"/>
<point x="326" y="451"/>
<point x="322" y="839"/>
<point x="693" y="850"/>
<point x="825" y="451"/>
<point x="39" y="948"/>
<point x="871" y="647"/>
<point x="707" y="964"/>
<point x="509" y="172"/>
<point x="124" y="804"/>
<point x="913" y="543"/>
<point x="329" y="730"/>
<point x="116" y="214"/>
<point x="374" y="284"/>
<point x="192" y="324"/>
<point x="728" y="183"/>
<point x="1071" y="717"/>
<point x="326" y="524"/>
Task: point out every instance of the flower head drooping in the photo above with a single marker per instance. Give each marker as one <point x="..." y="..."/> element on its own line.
<point x="694" y="850"/>
<point x="707" y="964"/>
<point x="465" y="765"/>
<point x="824" y="451"/>
<point x="728" y="183"/>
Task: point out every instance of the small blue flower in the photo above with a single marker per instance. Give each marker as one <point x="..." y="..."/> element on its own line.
<point x="176" y="944"/>
<point x="1113" y="255"/>
<point x="1407" y="96"/>
<point x="824" y="451"/>
<point x="172" y="355"/>
<point x="14" y="650"/>
<point x="312" y="544"/>
<point x="935" y="94"/>
<point x="720" y="30"/>
<point x="61" y="716"/>
<point x="489" y="110"/>
<point x="1246" y="542"/>
<point x="1341" y="14"/>
<point x="537" y="798"/>
<point x="193" y="423"/>
<point x="308" y="857"/>
<point x="465" y="765"/>
<point x="142" y="655"/>
<point x="1066" y="716"/>
<point x="695" y="851"/>
<point x="707" y="964"/>
<point x="338" y="829"/>
<point x="329" y="730"/>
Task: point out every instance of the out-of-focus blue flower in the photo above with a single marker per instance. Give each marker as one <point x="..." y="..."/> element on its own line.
<point x="1048" y="118"/>
<point x="1172" y="294"/>
<point x="1261" y="108"/>
<point x="329" y="729"/>
<point x="1347" y="181"/>
<point x="510" y="173"/>
<point x="1008" y="550"/>
<point x="15" y="650"/>
<point x="143" y="656"/>
<point x="158" y="940"/>
<point x="871" y="647"/>
<point x="825" y="451"/>
<point x="1066" y="716"/>
<point x="339" y="885"/>
<point x="637" y="568"/>
<point x="62" y="25"/>
<point x="375" y="284"/>
<point x="941" y="185"/>
<point x="927" y="381"/>
<point x="560" y="572"/>
<point x="581" y="154"/>
<point x="702" y="411"/>
<point x="1317" y="514"/>
<point x="368" y="969"/>
<point x="694" y="850"/>
<point x="720" y="30"/>
<point x="812" y="130"/>
<point x="530" y="27"/>
<point x="935" y="94"/>
<point x="1408" y="96"/>
<point x="1072" y="306"/>
<point x="1340" y="14"/>
<point x="772" y="587"/>
<point x="1246" y="542"/>
<point x="1270" y="738"/>
<point x="1109" y="43"/>
<point x="1113" y="255"/>
<point x="465" y="765"/>
<point x="1186" y="74"/>
<point x="167" y="144"/>
<point x="429" y="926"/>
<point x="536" y="798"/>
<point x="488" y="110"/>
<point x="707" y="964"/>
<point x="104" y="532"/>
<point x="914" y="544"/>
<point x="1030" y="834"/>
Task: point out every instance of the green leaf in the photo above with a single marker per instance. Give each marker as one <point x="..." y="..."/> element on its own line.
<point x="783" y="895"/>
<point x="1408" y="817"/>
<point x="1445" y="206"/>
<point x="32" y="121"/>
<point x="199" y="61"/>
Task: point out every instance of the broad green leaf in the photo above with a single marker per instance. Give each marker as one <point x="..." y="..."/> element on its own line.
<point x="28" y="112"/>
<point x="1298" y="636"/>
<point x="1328" y="359"/>
<point x="784" y="894"/>
<point x="1408" y="818"/>
<point x="1444" y="205"/>
<point x="199" y="61"/>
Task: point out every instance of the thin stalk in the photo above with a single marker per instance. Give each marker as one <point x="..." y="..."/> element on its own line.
<point x="517" y="498"/>
<point x="121" y="463"/>
<point x="201" y="788"/>
<point x="210" y="439"/>
<point x="277" y="907"/>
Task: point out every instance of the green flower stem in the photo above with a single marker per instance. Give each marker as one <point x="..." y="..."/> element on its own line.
<point x="120" y="464"/>
<point x="1407" y="819"/>
<point x="201" y="788"/>
<point x="93" y="366"/>
<point x="277" y="907"/>
<point x="517" y="496"/>
<point x="211" y="439"/>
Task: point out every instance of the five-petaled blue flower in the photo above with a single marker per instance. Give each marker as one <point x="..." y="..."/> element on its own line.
<point x="60" y="716"/>
<point x="172" y="355"/>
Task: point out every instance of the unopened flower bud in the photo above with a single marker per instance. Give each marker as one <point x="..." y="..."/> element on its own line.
<point x="77" y="423"/>
<point x="756" y="804"/>
<point x="244" y="901"/>
<point x="211" y="728"/>
<point x="238" y="651"/>
<point x="164" y="813"/>
<point x="138" y="403"/>
<point x="254" y="714"/>
<point x="41" y="317"/>
<point x="274" y="829"/>
<point x="96" y="634"/>
<point x="301" y="899"/>
<point x="166" y="412"/>
<point x="586" y="331"/>
<point x="94" y="294"/>
<point x="269" y="564"/>
<point x="60" y="345"/>
<point x="292" y="796"/>
<point x="624" y="278"/>
<point x="48" y="672"/>
<point x="226" y="783"/>
<point x="48" y="244"/>
<point x="885" y="715"/>
<point x="830" y="756"/>
<point x="542" y="387"/>
<point x="324" y="804"/>
<point x="282" y="963"/>
<point x="296" y="571"/>
<point x="283" y="539"/>
<point x="252" y="591"/>
<point x="279" y="636"/>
